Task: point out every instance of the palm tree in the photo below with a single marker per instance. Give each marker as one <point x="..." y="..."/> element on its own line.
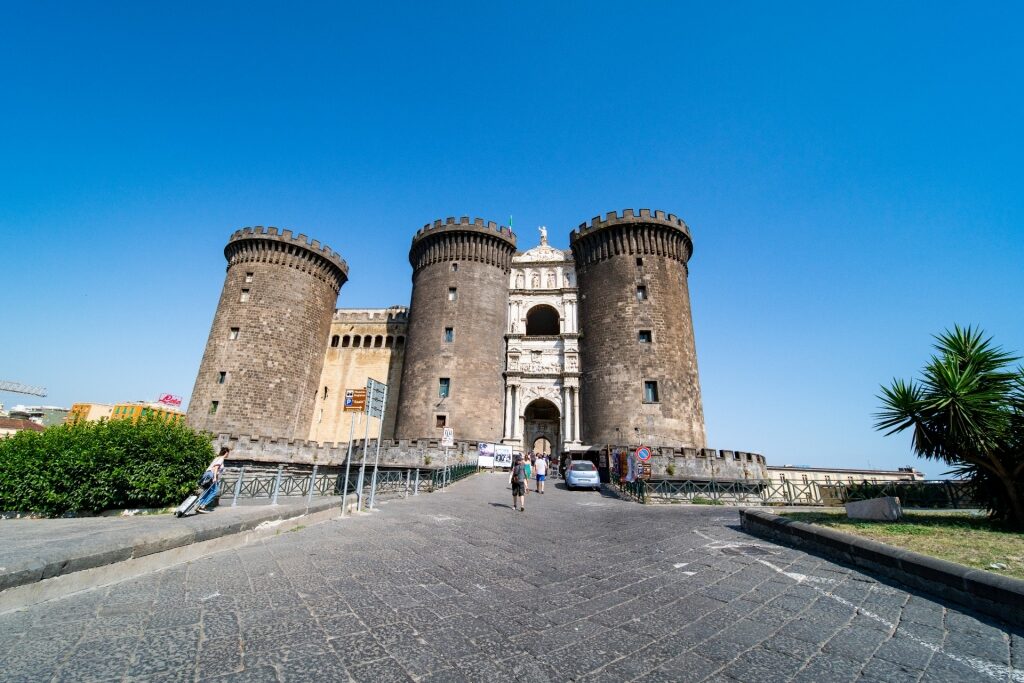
<point x="967" y="410"/>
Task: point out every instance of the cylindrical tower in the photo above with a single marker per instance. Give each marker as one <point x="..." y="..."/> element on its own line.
<point x="637" y="354"/>
<point x="261" y="368"/>
<point x="454" y="355"/>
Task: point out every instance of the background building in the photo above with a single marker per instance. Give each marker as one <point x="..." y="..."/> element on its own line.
<point x="133" y="411"/>
<point x="13" y="425"/>
<point x="834" y="475"/>
<point x="92" y="412"/>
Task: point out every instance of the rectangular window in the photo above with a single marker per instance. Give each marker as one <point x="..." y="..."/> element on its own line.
<point x="639" y="262"/>
<point x="233" y="334"/>
<point x="245" y="296"/>
<point x="644" y="336"/>
<point x="221" y="377"/>
<point x="641" y="293"/>
<point x="213" y="406"/>
<point x="444" y="387"/>
<point x="452" y="294"/>
<point x="441" y="421"/>
<point x="650" y="391"/>
<point x="455" y="267"/>
<point x="248" y="277"/>
<point x="449" y="334"/>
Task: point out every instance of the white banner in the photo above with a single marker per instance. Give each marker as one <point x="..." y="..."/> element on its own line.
<point x="502" y="456"/>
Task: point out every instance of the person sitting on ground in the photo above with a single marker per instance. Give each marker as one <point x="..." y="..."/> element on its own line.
<point x="212" y="477"/>
<point x="518" y="477"/>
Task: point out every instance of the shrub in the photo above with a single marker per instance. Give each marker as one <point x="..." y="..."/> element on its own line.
<point x="94" y="466"/>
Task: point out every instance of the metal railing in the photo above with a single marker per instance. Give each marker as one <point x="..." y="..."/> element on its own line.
<point x="261" y="482"/>
<point x="925" y="494"/>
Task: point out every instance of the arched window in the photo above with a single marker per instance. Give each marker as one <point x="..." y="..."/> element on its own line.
<point x="356" y="339"/>
<point x="378" y="342"/>
<point x="367" y="340"/>
<point x="389" y="341"/>
<point x="400" y="341"/>
<point x="345" y="341"/>
<point x="335" y="340"/>
<point x="542" y="321"/>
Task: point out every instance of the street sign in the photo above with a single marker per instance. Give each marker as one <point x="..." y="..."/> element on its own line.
<point x="376" y="395"/>
<point x="643" y="453"/>
<point x="448" y="437"/>
<point x="355" y="400"/>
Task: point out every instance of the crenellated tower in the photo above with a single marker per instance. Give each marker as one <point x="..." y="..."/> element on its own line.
<point x="454" y="356"/>
<point x="639" y="381"/>
<point x="262" y="364"/>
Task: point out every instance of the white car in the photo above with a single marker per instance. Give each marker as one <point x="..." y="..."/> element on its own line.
<point x="582" y="474"/>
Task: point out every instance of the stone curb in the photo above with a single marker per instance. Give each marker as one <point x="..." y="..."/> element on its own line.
<point x="992" y="594"/>
<point x="53" y="573"/>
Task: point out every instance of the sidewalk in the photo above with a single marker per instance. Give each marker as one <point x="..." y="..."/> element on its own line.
<point x="43" y="559"/>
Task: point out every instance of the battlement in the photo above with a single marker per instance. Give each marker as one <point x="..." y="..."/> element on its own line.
<point x="392" y="314"/>
<point x="464" y="224"/>
<point x="286" y="237"/>
<point x="630" y="216"/>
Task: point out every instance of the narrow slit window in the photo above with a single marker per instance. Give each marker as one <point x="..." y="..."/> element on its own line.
<point x="213" y="407"/>
<point x="325" y="393"/>
<point x="221" y="377"/>
<point x="449" y="334"/>
<point x="444" y="387"/>
<point x="453" y="294"/>
<point x="641" y="292"/>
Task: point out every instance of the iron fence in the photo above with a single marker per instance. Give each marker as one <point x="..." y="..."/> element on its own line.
<point x="924" y="494"/>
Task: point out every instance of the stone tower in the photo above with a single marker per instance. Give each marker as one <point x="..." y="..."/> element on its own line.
<point x="455" y="350"/>
<point x="639" y="362"/>
<point x="262" y="364"/>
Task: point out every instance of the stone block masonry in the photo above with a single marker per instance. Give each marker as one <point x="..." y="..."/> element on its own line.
<point x="261" y="367"/>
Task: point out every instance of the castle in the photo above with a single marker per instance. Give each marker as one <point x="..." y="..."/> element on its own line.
<point x="567" y="352"/>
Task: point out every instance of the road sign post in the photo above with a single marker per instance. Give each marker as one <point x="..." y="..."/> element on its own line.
<point x="447" y="440"/>
<point x="377" y="404"/>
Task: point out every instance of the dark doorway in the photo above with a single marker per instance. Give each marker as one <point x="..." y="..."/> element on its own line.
<point x="542" y="321"/>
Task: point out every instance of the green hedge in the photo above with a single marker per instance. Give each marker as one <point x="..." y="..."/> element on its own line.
<point x="94" y="466"/>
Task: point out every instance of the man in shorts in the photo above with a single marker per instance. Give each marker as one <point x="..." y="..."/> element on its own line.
<point x="519" y="484"/>
<point x="541" y="467"/>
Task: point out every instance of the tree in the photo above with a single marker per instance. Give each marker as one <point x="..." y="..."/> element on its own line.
<point x="967" y="410"/>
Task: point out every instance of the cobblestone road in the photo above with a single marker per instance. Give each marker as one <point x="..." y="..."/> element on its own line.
<point x="456" y="586"/>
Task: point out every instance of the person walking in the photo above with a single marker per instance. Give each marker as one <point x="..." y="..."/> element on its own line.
<point x="542" y="470"/>
<point x="212" y="477"/>
<point x="518" y="477"/>
<point x="529" y="473"/>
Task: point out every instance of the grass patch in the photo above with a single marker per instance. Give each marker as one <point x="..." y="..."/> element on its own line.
<point x="699" y="500"/>
<point x="955" y="536"/>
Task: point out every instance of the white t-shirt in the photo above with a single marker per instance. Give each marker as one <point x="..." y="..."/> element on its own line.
<point x="541" y="466"/>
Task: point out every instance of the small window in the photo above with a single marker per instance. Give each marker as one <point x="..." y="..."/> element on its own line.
<point x="367" y="341"/>
<point x="248" y="277"/>
<point x="335" y="340"/>
<point x="245" y="296"/>
<point x="639" y="262"/>
<point x="641" y="293"/>
<point x="455" y="267"/>
<point x="378" y="341"/>
<point x="345" y="341"/>
<point x="213" y="406"/>
<point x="233" y="334"/>
<point x="804" y="477"/>
<point x="400" y="341"/>
<point x="449" y="334"/>
<point x="325" y="393"/>
<point x="452" y="294"/>
<point x="828" y="479"/>
<point x="441" y="420"/>
<point x="221" y="377"/>
<point x="389" y="342"/>
<point x="650" y="391"/>
<point x="644" y="336"/>
<point x="356" y="340"/>
<point x="444" y="387"/>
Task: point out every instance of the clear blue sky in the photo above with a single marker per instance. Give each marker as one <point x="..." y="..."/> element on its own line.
<point x="851" y="173"/>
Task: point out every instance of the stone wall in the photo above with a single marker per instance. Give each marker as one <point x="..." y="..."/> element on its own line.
<point x="416" y="453"/>
<point x="614" y="258"/>
<point x="473" y="259"/>
<point x="279" y="294"/>
<point x="361" y="344"/>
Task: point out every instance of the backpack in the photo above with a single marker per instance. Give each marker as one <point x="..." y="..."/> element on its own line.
<point x="518" y="474"/>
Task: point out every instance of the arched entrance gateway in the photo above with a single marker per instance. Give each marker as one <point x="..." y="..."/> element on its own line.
<point x="541" y="428"/>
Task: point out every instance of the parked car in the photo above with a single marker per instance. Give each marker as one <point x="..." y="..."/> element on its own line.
<point x="582" y="474"/>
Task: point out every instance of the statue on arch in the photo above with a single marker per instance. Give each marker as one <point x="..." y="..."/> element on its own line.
<point x="543" y="234"/>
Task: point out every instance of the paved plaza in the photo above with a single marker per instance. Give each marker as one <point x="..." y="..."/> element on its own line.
<point x="456" y="586"/>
